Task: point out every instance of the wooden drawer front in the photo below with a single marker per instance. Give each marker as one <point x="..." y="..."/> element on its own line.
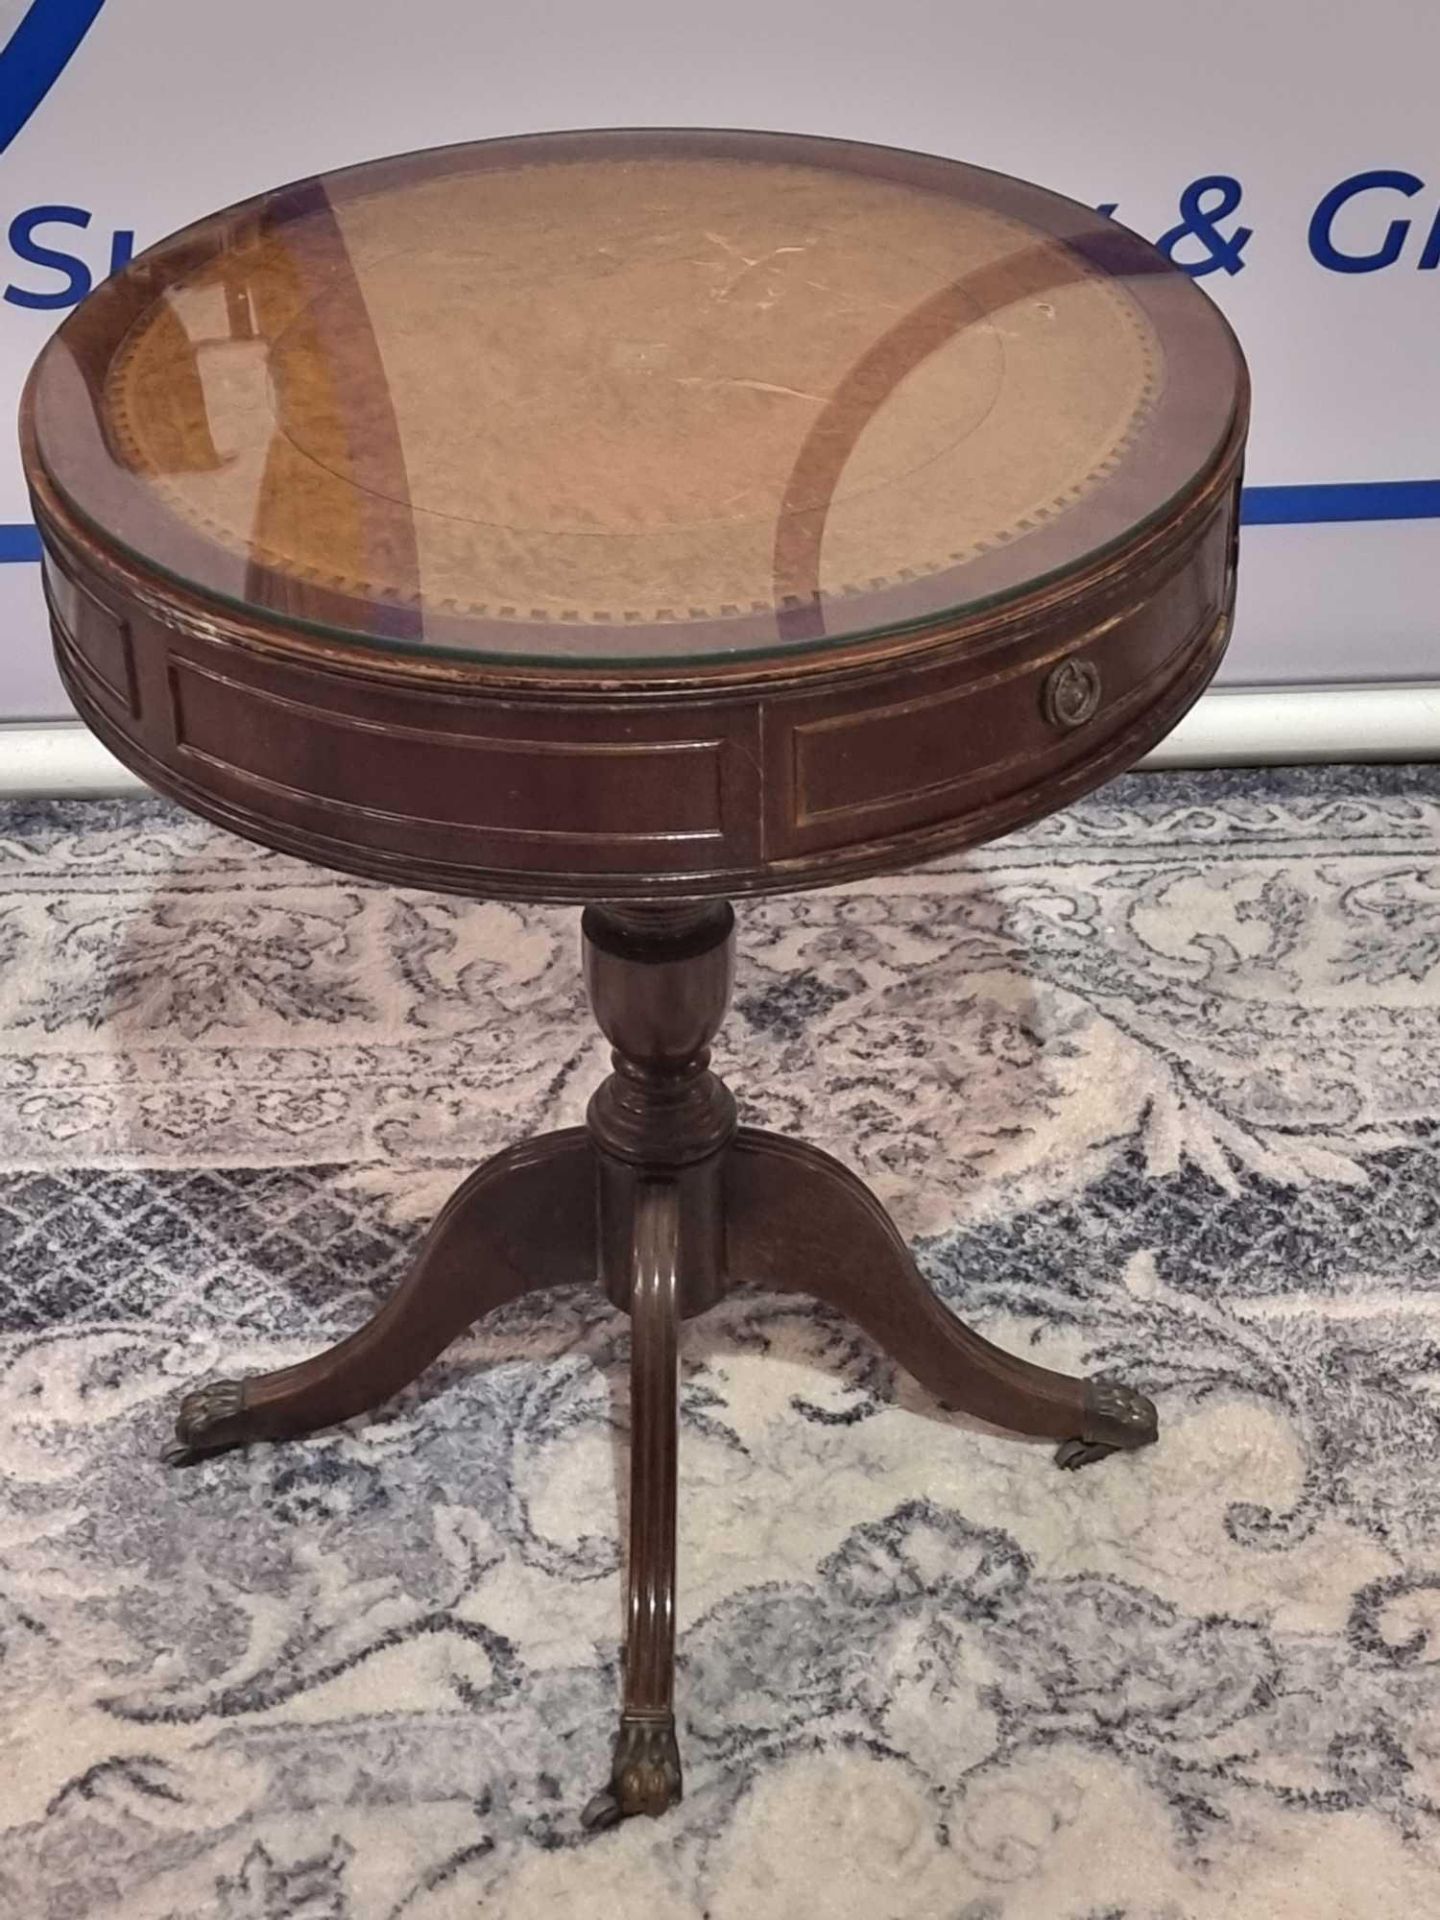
<point x="841" y="772"/>
<point x="502" y="785"/>
<point x="94" y="641"/>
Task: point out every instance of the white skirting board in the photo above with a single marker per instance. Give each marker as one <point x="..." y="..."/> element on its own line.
<point x="1228" y="727"/>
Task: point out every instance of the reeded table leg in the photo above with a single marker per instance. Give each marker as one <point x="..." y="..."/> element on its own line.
<point x="659" y="983"/>
<point x="645" y="1776"/>
<point x="524" y="1221"/>
<point x="799" y="1221"/>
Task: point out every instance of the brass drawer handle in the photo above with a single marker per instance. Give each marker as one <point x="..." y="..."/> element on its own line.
<point x="1071" y="694"/>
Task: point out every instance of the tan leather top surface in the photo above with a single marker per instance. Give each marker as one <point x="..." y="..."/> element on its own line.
<point x="634" y="389"/>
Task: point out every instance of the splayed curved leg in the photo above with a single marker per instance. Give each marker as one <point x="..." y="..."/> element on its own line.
<point x="645" y="1772"/>
<point x="798" y="1221"/>
<point x="524" y="1221"/>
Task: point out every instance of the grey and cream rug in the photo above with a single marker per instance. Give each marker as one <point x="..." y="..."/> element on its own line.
<point x="1155" y="1085"/>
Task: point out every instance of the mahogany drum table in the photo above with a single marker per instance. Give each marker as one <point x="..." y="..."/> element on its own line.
<point x="644" y="520"/>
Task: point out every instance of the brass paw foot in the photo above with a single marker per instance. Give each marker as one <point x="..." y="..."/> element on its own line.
<point x="644" y="1778"/>
<point x="1117" y="1418"/>
<point x="210" y="1419"/>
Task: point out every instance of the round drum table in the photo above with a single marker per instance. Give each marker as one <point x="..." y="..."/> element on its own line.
<point x="642" y="519"/>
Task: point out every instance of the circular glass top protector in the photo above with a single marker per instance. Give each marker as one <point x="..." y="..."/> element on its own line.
<point x="635" y="397"/>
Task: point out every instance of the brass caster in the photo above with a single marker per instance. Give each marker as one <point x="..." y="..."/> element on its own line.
<point x="645" y="1775"/>
<point x="210" y="1420"/>
<point x="1117" y="1419"/>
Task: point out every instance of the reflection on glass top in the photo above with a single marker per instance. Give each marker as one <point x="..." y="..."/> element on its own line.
<point x="634" y="397"/>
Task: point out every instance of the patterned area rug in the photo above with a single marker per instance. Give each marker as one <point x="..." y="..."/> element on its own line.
<point x="1154" y="1086"/>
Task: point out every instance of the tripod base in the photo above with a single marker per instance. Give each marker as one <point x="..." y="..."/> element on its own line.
<point x="668" y="1205"/>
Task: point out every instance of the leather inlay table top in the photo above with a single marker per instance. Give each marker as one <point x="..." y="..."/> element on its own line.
<point x="635" y="397"/>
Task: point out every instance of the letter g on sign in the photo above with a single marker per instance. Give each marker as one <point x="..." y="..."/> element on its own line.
<point x="1322" y="222"/>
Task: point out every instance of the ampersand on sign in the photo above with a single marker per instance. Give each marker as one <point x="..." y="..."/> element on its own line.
<point x="1198" y="223"/>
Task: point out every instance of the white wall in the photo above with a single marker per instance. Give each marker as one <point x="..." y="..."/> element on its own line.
<point x="169" y="108"/>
